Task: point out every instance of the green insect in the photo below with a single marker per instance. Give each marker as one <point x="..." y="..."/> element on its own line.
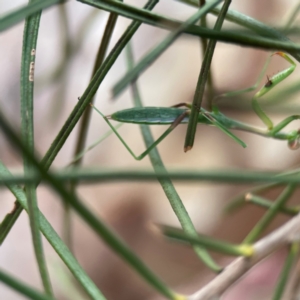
<point x="176" y="115"/>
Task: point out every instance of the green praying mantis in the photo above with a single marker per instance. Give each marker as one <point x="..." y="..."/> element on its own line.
<point x="176" y="115"/>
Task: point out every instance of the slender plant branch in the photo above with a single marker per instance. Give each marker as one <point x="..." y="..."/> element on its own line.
<point x="253" y="34"/>
<point x="22" y="288"/>
<point x="56" y="242"/>
<point x="282" y="236"/>
<point x="202" y="79"/>
<point x="85" y="121"/>
<point x="167" y="185"/>
<point x="262" y="202"/>
<point x="20" y="14"/>
<point x="153" y="54"/>
<point x="286" y="271"/>
<point x="27" y="84"/>
<point x="115" y="175"/>
<point x="204" y="42"/>
<point x="270" y="214"/>
<point x="87" y="96"/>
<point x="84" y="124"/>
<point x="103" y="231"/>
<point x="208" y="242"/>
<point x="269" y="38"/>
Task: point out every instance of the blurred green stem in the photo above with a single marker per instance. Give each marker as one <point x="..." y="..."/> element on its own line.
<point x="202" y="79"/>
<point x="22" y="288"/>
<point x="30" y="37"/>
<point x="85" y="121"/>
<point x="260" y="201"/>
<point x="208" y="242"/>
<point x="210" y="84"/>
<point x="294" y="248"/>
<point x="167" y="185"/>
<point x="270" y="214"/>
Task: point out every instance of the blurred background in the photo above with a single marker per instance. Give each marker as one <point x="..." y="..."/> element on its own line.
<point x="68" y="41"/>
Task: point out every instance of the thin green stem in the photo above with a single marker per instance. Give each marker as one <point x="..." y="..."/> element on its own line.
<point x="27" y="84"/>
<point x="270" y="214"/>
<point x="295" y="285"/>
<point x="239" y="200"/>
<point x="84" y="124"/>
<point x="85" y="121"/>
<point x="117" y="245"/>
<point x="208" y="242"/>
<point x="203" y="23"/>
<point x="286" y="271"/>
<point x="252" y="24"/>
<point x="152" y="55"/>
<point x="90" y="91"/>
<point x="121" y="175"/>
<point x="292" y="18"/>
<point x="256" y="26"/>
<point x="202" y="79"/>
<point x="22" y="288"/>
<point x="269" y="38"/>
<point x="67" y="47"/>
<point x="203" y="41"/>
<point x="20" y="14"/>
<point x="265" y="203"/>
<point x="55" y="241"/>
<point x="166" y="183"/>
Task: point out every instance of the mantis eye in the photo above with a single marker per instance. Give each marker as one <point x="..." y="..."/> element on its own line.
<point x="294" y="144"/>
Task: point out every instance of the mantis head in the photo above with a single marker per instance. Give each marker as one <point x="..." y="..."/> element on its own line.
<point x="294" y="140"/>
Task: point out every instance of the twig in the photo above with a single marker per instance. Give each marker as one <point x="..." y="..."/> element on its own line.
<point x="282" y="236"/>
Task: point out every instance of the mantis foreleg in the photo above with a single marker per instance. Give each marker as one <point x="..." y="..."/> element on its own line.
<point x="242" y="91"/>
<point x="271" y="83"/>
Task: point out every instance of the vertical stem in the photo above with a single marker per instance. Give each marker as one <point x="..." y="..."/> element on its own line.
<point x="85" y="121"/>
<point x="103" y="231"/>
<point x="197" y="101"/>
<point x="27" y="95"/>
<point x="286" y="271"/>
<point x="90" y="91"/>
<point x="210" y="85"/>
<point x="167" y="185"/>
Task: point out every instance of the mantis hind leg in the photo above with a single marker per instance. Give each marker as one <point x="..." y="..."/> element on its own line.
<point x="283" y="124"/>
<point x="294" y="135"/>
